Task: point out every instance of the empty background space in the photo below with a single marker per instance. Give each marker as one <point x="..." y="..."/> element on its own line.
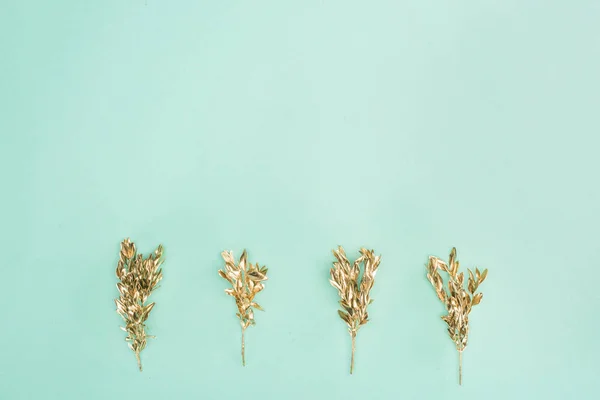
<point x="288" y="128"/>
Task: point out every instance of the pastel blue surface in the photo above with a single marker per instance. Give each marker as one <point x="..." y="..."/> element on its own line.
<point x="288" y="128"/>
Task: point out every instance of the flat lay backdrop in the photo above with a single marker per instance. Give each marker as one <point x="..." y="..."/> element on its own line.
<point x="289" y="128"/>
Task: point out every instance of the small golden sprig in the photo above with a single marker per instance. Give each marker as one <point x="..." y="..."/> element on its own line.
<point x="457" y="300"/>
<point x="246" y="280"/>
<point x="138" y="277"/>
<point x="354" y="295"/>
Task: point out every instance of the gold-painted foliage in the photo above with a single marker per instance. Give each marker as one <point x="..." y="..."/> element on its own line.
<point x="458" y="300"/>
<point x="139" y="277"/>
<point x="246" y="281"/>
<point x="354" y="290"/>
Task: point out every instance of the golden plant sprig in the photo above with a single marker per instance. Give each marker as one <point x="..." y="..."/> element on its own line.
<point x="138" y="277"/>
<point x="457" y="300"/>
<point x="246" y="280"/>
<point x="354" y="295"/>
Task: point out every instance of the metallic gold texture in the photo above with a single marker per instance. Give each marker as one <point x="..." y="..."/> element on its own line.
<point x="246" y="280"/>
<point x="139" y="277"/>
<point x="457" y="300"/>
<point x="354" y="292"/>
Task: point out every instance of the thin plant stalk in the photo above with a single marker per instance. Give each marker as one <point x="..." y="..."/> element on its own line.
<point x="243" y="349"/>
<point x="460" y="367"/>
<point x="353" y="350"/>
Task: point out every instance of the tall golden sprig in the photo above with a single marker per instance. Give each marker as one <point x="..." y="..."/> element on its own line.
<point x="138" y="277"/>
<point x="246" y="280"/>
<point x="354" y="295"/>
<point x="457" y="300"/>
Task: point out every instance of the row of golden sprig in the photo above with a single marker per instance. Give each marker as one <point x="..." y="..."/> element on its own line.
<point x="140" y="276"/>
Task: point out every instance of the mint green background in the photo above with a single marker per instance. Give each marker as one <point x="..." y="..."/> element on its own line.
<point x="289" y="128"/>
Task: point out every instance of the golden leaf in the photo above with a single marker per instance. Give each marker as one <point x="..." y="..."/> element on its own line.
<point x="452" y="259"/>
<point x="223" y="275"/>
<point x="441" y="295"/>
<point x="228" y="257"/>
<point x="471" y="287"/>
<point x="256" y="276"/>
<point x="335" y="284"/>
<point x="344" y="316"/>
<point x="148" y="308"/>
<point x="439" y="283"/>
<point x="477" y="298"/>
<point x="483" y="275"/>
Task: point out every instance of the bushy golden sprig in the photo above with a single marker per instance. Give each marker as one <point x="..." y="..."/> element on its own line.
<point x="139" y="277"/>
<point x="354" y="296"/>
<point x="246" y="280"/>
<point x="458" y="300"/>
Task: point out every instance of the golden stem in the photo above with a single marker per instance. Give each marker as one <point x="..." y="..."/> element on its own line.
<point x="460" y="367"/>
<point x="137" y="356"/>
<point x="243" y="349"/>
<point x="353" y="334"/>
